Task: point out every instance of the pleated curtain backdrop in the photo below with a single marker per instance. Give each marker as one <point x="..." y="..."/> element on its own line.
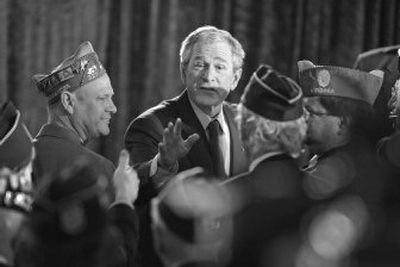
<point x="138" y="42"/>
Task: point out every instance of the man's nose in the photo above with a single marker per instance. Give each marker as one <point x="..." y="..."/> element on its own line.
<point x="111" y="107"/>
<point x="209" y="74"/>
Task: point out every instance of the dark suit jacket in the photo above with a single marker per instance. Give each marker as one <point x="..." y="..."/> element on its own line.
<point x="385" y="59"/>
<point x="114" y="247"/>
<point x="272" y="205"/>
<point x="124" y="218"/>
<point x="141" y="140"/>
<point x="145" y="132"/>
<point x="57" y="147"/>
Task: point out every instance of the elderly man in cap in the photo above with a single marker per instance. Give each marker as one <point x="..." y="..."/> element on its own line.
<point x="344" y="173"/>
<point x="270" y="198"/>
<point x="16" y="154"/>
<point x="196" y="128"/>
<point x="339" y="101"/>
<point x="80" y="106"/>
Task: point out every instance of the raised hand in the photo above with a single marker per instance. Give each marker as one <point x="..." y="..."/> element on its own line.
<point x="173" y="147"/>
<point x="125" y="180"/>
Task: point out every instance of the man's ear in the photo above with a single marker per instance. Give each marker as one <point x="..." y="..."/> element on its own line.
<point x="344" y="125"/>
<point x="182" y="69"/>
<point x="68" y="101"/>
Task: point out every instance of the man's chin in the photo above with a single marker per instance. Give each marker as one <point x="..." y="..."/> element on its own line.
<point x="104" y="131"/>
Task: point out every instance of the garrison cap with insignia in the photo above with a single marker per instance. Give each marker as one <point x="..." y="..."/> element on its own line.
<point x="74" y="72"/>
<point x="70" y="206"/>
<point x="273" y="95"/>
<point x="337" y="81"/>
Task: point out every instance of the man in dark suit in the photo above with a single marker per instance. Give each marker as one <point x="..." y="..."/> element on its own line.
<point x="269" y="199"/>
<point x="385" y="59"/>
<point x="196" y="128"/>
<point x="80" y="108"/>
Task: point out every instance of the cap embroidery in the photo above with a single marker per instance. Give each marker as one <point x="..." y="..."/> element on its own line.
<point x="323" y="78"/>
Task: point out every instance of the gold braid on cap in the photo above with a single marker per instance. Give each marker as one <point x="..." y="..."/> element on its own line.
<point x="83" y="70"/>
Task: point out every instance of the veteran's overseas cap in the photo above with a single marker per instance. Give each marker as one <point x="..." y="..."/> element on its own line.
<point x="272" y="95"/>
<point x="194" y="215"/>
<point x="15" y="141"/>
<point x="74" y="72"/>
<point x="70" y="209"/>
<point x="335" y="81"/>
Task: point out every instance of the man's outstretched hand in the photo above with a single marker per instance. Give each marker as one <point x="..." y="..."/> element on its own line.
<point x="173" y="147"/>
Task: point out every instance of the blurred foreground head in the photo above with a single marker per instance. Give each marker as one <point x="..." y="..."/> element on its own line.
<point x="191" y="222"/>
<point x="68" y="224"/>
<point x="16" y="154"/>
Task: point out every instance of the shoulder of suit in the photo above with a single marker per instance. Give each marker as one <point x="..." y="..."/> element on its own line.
<point x="97" y="158"/>
<point x="157" y="116"/>
<point x="339" y="163"/>
<point x="282" y="165"/>
<point x="230" y="108"/>
<point x="166" y="108"/>
<point x="102" y="163"/>
<point x="230" y="105"/>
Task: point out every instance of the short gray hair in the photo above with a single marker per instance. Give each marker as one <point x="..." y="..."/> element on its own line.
<point x="211" y="33"/>
<point x="261" y="135"/>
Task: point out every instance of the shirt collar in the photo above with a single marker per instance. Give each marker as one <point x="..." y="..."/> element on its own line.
<point x="205" y="119"/>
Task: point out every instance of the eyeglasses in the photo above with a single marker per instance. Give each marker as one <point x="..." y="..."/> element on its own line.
<point x="316" y="113"/>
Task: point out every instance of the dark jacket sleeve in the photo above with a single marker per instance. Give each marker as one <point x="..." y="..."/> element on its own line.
<point x="141" y="141"/>
<point x="388" y="150"/>
<point x="125" y="219"/>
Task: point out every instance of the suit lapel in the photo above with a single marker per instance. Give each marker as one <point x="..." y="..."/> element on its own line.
<point x="238" y="158"/>
<point x="200" y="154"/>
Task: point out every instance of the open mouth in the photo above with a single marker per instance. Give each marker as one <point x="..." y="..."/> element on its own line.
<point x="209" y="89"/>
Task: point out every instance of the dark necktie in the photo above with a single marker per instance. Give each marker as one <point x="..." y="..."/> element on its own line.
<point x="215" y="134"/>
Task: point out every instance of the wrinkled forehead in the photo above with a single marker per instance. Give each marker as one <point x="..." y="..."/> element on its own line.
<point x="100" y="86"/>
<point x="216" y="47"/>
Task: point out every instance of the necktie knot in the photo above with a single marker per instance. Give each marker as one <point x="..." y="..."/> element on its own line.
<point x="214" y="129"/>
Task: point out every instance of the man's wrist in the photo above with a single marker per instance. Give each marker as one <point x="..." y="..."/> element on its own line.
<point x="159" y="174"/>
<point x="123" y="198"/>
<point x="167" y="167"/>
